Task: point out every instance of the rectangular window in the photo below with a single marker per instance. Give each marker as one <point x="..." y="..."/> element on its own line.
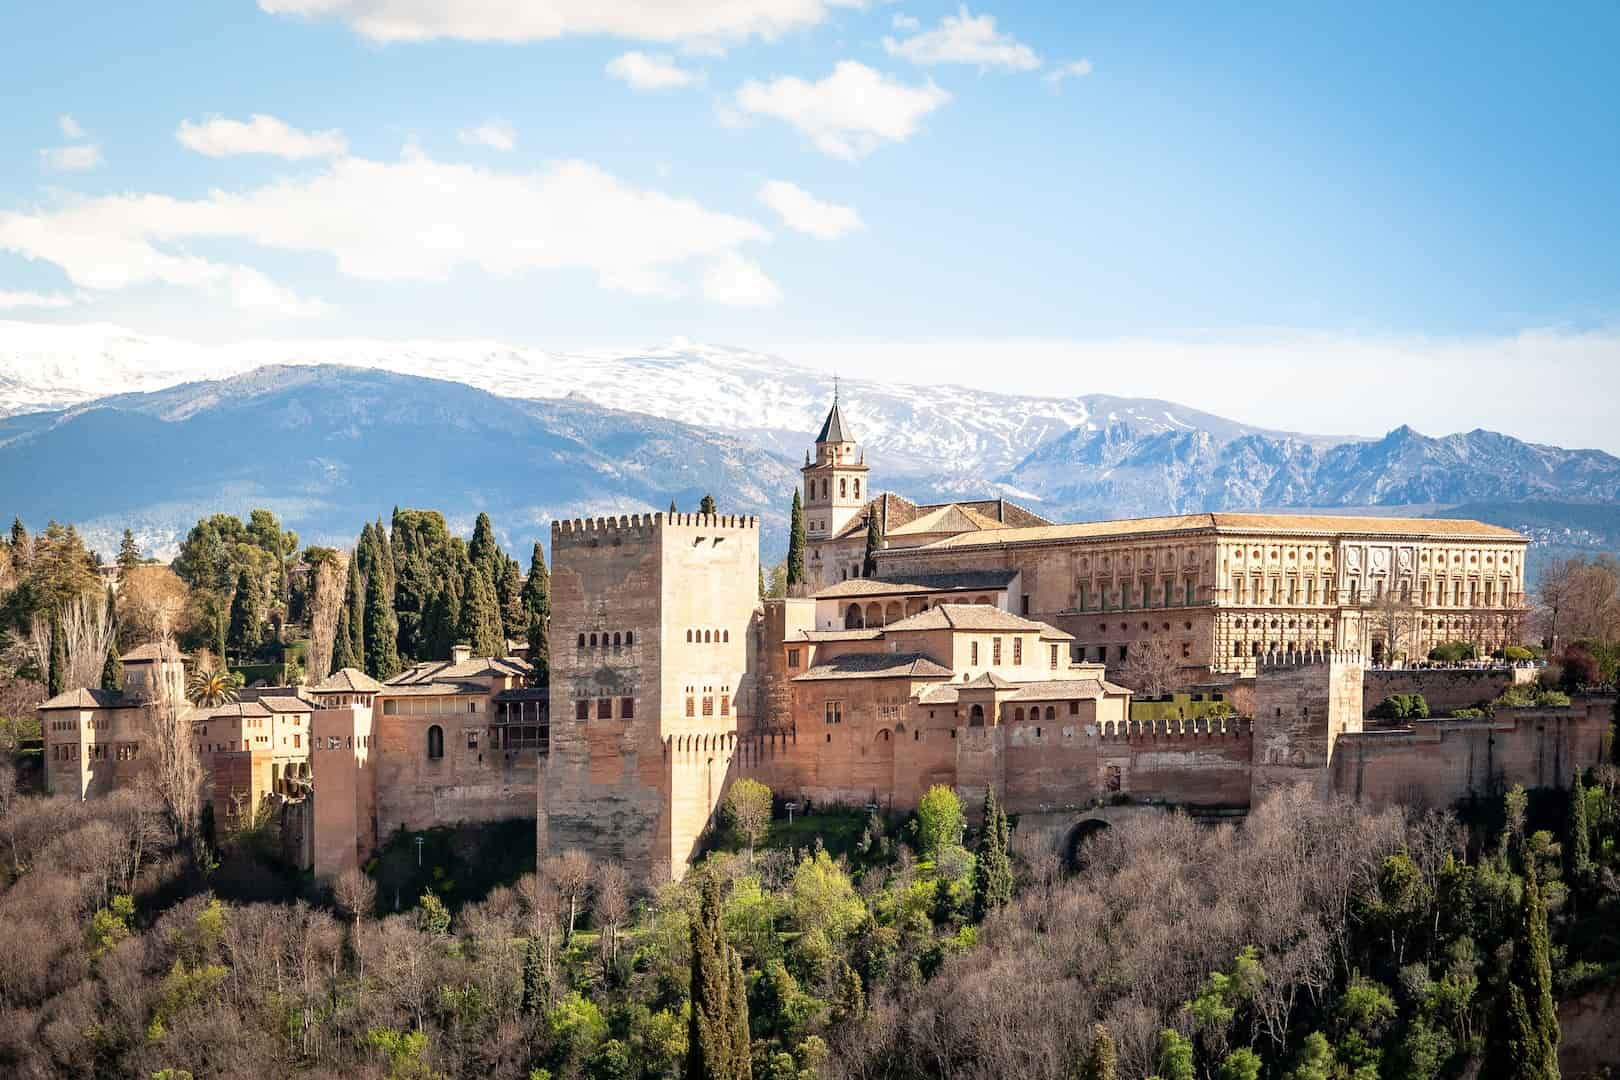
<point x="691" y="705"/>
<point x="834" y="712"/>
<point x="995" y="651"/>
<point x="1018" y="650"/>
<point x="582" y="709"/>
<point x="1122" y="652"/>
<point x="390" y="707"/>
<point x="725" y="704"/>
<point x="604" y="708"/>
<point x="793" y="658"/>
<point x="1024" y="604"/>
<point x="472" y="739"/>
<point x="1054" y="659"/>
<point x="1074" y="708"/>
<point x="627" y="708"/>
<point x="973" y="650"/>
<point x="297" y="741"/>
<point x="708" y="705"/>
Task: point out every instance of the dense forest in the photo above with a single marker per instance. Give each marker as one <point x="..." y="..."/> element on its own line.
<point x="1313" y="939"/>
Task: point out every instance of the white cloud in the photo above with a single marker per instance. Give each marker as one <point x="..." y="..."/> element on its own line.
<point x="739" y="282"/>
<point x="1077" y="69"/>
<point x="495" y="134"/>
<point x="902" y="21"/>
<point x="697" y="21"/>
<point x="848" y="113"/>
<point x="9" y="300"/>
<point x="412" y="220"/>
<point x="965" y="39"/>
<point x="643" y="72"/>
<point x="70" y="127"/>
<point x="260" y="134"/>
<point x="75" y="158"/>
<point x="802" y="211"/>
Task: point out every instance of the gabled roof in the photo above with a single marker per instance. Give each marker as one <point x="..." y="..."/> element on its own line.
<point x="152" y="650"/>
<point x="877" y="666"/>
<point x="832" y="431"/>
<point x="438" y="671"/>
<point x="238" y="709"/>
<point x="837" y="635"/>
<point x="89" y="698"/>
<point x="1066" y="689"/>
<point x="911" y="584"/>
<point x="348" y="680"/>
<point x="895" y="512"/>
<point x="975" y="617"/>
<point x="951" y="518"/>
<point x="285" y="703"/>
<point x="988" y="681"/>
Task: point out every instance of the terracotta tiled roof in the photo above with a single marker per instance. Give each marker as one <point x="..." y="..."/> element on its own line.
<point x="974" y="617"/>
<point x="896" y="511"/>
<point x="237" y="709"/>
<point x="440" y="670"/>
<point x="283" y="703"/>
<point x="88" y="698"/>
<point x="837" y="635"/>
<point x="349" y="679"/>
<point x="952" y="518"/>
<point x="152" y="650"/>
<point x="1066" y="689"/>
<point x="987" y="681"/>
<point x="907" y="584"/>
<point x="526" y="693"/>
<point x="877" y="666"/>
<point x="425" y="689"/>
<point x="1239" y="523"/>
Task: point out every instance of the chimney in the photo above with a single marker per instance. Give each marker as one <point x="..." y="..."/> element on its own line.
<point x="460" y="654"/>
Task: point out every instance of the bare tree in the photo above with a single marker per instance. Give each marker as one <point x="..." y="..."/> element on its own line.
<point x="152" y="604"/>
<point x="179" y="773"/>
<point x="87" y="631"/>
<point x="1391" y="615"/>
<point x="1152" y="668"/>
<point x="612" y="908"/>
<point x="325" y="603"/>
<point x="355" y="894"/>
<point x="570" y="873"/>
<point x="1553" y="590"/>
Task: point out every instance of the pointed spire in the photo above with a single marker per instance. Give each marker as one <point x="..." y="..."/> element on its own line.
<point x="833" y="430"/>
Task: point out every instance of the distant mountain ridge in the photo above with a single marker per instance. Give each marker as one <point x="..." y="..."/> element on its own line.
<point x="527" y="434"/>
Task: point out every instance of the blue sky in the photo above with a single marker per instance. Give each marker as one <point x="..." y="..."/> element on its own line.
<point x="859" y="186"/>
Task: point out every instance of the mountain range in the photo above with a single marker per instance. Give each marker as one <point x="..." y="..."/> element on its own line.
<point x="108" y="427"/>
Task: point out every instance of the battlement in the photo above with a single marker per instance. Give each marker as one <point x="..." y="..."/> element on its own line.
<point x="569" y="531"/>
<point x="1202" y="728"/>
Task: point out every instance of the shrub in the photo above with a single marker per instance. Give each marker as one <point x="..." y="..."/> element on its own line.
<point x="1402" y="707"/>
<point x="1452" y="652"/>
<point x="1517" y="654"/>
<point x="1468" y="714"/>
<point x="939" y="819"/>
<point x="1580" y="667"/>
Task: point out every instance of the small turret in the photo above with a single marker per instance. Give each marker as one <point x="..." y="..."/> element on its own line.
<point x="835" y="482"/>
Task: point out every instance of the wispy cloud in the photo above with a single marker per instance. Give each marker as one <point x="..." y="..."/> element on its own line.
<point x="803" y="212"/>
<point x="76" y="158"/>
<point x="14" y="300"/>
<point x="964" y="38"/>
<point x="738" y="282"/>
<point x="259" y="134"/>
<point x="850" y="112"/>
<point x="494" y="134"/>
<point x="1077" y="69"/>
<point x="644" y="72"/>
<point x="70" y="127"/>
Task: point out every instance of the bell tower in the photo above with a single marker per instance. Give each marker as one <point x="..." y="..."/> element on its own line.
<point x="835" y="482"/>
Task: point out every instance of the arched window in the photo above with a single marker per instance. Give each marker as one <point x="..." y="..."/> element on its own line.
<point x="708" y="637"/>
<point x="593" y="641"/>
<point x="852" y="618"/>
<point x="725" y="636"/>
<point x="435" y="745"/>
<point x="1018" y="714"/>
<point x="616" y="641"/>
<point x="843" y="487"/>
<point x="629" y="638"/>
<point x="689" y="637"/>
<point x="976" y="716"/>
<point x="857" y="487"/>
<point x="1051" y="713"/>
<point x="582" y="641"/>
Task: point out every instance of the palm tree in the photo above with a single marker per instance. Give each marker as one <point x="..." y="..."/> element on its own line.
<point x="211" y="689"/>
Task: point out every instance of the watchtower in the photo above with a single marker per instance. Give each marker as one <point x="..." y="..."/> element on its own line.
<point x="835" y="482"/>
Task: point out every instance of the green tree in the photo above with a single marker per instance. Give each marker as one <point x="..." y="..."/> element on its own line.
<point x="874" y="542"/>
<point x="1314" y="1061"/>
<point x="706" y="506"/>
<point x="1100" y="1058"/>
<point x="112" y="670"/>
<point x="431" y="914"/>
<point x="483" y="551"/>
<point x="537" y="586"/>
<point x="748" y="812"/>
<point x="1521" y="1038"/>
<point x="1240" y="1064"/>
<point x="795" y="555"/>
<point x="672" y="510"/>
<point x="245" y="627"/>
<point x="939" y="819"/>
<point x="382" y="631"/>
<point x="1175" y="1056"/>
<point x="534" y="976"/>
<point x="992" y="870"/>
<point x="56" y="671"/>
<point x="129" y="552"/>
<point x="717" y="1044"/>
<point x="60" y="570"/>
<point x="480" y="623"/>
<point x="509" y="594"/>
<point x="1580" y="832"/>
<point x="349" y="649"/>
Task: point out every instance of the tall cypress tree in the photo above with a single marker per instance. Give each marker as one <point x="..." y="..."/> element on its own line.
<point x="440" y="624"/>
<point x="56" y="672"/>
<point x="346" y="653"/>
<point x="874" y="541"/>
<point x="112" y="670"/>
<point x="992" y="870"/>
<point x="717" y="1031"/>
<point x="244" y="630"/>
<point x="1100" y="1056"/>
<point x="482" y="550"/>
<point x="480" y="623"/>
<point x="1580" y="833"/>
<point x="1522" y="1034"/>
<point x="537" y="587"/>
<point x="509" y="593"/>
<point x="382" y="631"/>
<point x="795" y="555"/>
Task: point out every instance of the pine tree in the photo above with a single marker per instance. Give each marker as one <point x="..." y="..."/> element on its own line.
<point x="382" y="630"/>
<point x="1580" y="834"/>
<point x="244" y="629"/>
<point x="874" y="541"/>
<point x="707" y="505"/>
<point x="21" y="548"/>
<point x="717" y="1046"/>
<point x="56" y="673"/>
<point x="795" y="555"/>
<point x="351" y="621"/>
<point x="1100" y="1056"/>
<point x="480" y="623"/>
<point x="112" y="671"/>
<point x="129" y="552"/>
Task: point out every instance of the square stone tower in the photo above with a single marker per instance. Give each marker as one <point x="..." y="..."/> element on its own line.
<point x="651" y="671"/>
<point x="835" y="488"/>
<point x="1303" y="702"/>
